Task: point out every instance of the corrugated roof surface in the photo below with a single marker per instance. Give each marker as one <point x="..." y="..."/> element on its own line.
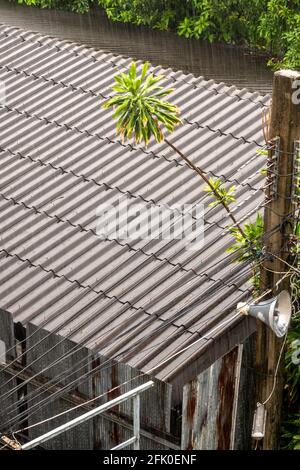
<point x="60" y="158"/>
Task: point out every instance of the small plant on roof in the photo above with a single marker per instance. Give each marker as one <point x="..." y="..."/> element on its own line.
<point x="142" y="113"/>
<point x="141" y="110"/>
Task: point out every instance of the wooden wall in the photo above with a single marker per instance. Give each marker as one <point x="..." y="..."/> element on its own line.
<point x="58" y="375"/>
<point x="53" y="363"/>
<point x="8" y="397"/>
<point x="212" y="409"/>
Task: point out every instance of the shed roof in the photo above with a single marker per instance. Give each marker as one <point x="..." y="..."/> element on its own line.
<point x="60" y="158"/>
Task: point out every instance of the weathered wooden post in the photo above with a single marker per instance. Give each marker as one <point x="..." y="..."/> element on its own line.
<point x="279" y="224"/>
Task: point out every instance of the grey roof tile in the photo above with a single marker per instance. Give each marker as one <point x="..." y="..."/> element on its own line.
<point x="141" y="300"/>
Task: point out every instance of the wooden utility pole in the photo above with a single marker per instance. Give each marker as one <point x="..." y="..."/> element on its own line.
<point x="279" y="224"/>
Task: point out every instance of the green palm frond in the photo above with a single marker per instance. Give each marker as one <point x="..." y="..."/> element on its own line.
<point x="140" y="108"/>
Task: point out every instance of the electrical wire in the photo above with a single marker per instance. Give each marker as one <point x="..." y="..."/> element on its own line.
<point x="204" y="273"/>
<point x="156" y="331"/>
<point x="297" y="271"/>
<point x="115" y="339"/>
<point x="148" y="372"/>
<point x="181" y="250"/>
<point x="276" y="371"/>
<point x="122" y="356"/>
<point x="293" y="268"/>
<point x="35" y="345"/>
<point x="263" y="295"/>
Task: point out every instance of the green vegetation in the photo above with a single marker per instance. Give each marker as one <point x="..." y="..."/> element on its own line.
<point x="291" y="425"/>
<point x="142" y="113"/>
<point x="250" y="247"/>
<point x="217" y="185"/>
<point x="272" y="26"/>
<point x="78" y="6"/>
<point x="252" y="242"/>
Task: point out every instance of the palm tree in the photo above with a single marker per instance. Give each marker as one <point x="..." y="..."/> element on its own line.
<point x="142" y="113"/>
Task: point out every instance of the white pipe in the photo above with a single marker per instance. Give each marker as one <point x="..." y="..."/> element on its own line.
<point x="125" y="444"/>
<point x="85" y="417"/>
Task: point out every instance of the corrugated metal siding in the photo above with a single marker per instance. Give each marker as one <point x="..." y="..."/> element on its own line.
<point x="60" y="159"/>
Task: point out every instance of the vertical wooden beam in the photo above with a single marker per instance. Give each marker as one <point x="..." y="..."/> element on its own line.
<point x="285" y="125"/>
<point x="236" y="396"/>
<point x="8" y="394"/>
<point x="246" y="398"/>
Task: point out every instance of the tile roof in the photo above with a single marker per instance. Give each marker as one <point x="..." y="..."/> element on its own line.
<point x="60" y="158"/>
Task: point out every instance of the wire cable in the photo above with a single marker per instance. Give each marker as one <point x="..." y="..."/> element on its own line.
<point x="156" y="331"/>
<point x="62" y="340"/>
<point x="148" y="372"/>
<point x="122" y="356"/>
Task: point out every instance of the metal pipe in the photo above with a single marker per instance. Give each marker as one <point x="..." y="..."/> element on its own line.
<point x="85" y="417"/>
<point x="125" y="444"/>
<point x="136" y="421"/>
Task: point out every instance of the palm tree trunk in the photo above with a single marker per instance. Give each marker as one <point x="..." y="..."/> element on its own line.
<point x="202" y="175"/>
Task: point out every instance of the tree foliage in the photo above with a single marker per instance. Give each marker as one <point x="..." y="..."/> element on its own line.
<point x="78" y="6"/>
<point x="143" y="113"/>
<point x="273" y="25"/>
<point x="291" y="423"/>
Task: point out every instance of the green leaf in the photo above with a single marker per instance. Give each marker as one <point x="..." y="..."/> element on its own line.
<point x="132" y="71"/>
<point x="144" y="70"/>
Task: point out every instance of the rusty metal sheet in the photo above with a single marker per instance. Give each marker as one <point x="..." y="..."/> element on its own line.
<point x="208" y="409"/>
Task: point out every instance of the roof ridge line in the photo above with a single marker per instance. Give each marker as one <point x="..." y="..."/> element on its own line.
<point x="128" y="145"/>
<point x="120" y="57"/>
<point x="130" y="194"/>
<point x="101" y="95"/>
<point x="63" y="276"/>
<point x="102" y="292"/>
<point x="82" y="229"/>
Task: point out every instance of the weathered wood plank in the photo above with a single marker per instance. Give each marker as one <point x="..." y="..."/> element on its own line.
<point x="246" y="398"/>
<point x="165" y="441"/>
<point x="8" y="397"/>
<point x="208" y="406"/>
<point x="155" y="404"/>
<point x="44" y="349"/>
